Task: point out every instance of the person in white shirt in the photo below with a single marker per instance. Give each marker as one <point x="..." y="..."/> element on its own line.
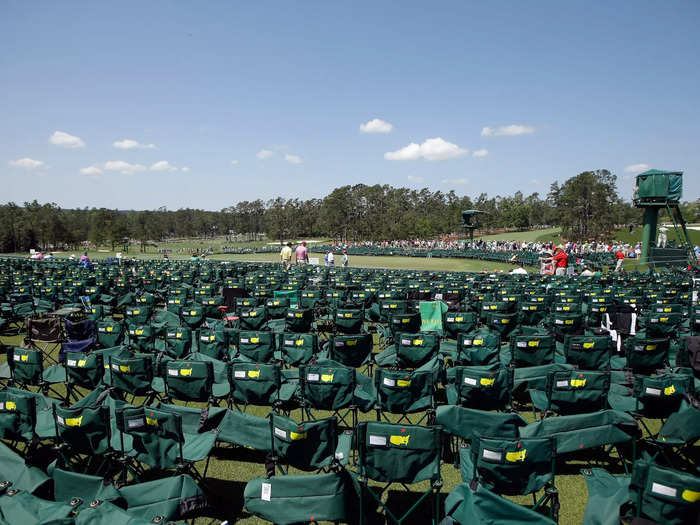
<point x="519" y="269"/>
<point x="330" y="258"/>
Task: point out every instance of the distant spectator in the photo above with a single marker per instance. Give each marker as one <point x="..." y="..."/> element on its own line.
<point x="586" y="272"/>
<point x="330" y="258"/>
<point x="620" y="258"/>
<point x="560" y="261"/>
<point x="519" y="270"/>
<point x="286" y="255"/>
<point x="302" y="254"/>
<point x="344" y="258"/>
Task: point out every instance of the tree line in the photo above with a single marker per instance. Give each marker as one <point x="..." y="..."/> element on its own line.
<point x="585" y="206"/>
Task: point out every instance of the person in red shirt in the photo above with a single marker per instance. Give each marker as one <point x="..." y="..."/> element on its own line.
<point x="560" y="261"/>
<point x="620" y="257"/>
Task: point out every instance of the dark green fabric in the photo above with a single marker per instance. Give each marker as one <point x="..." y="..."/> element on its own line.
<point x="532" y="350"/>
<point x="132" y="374"/>
<point x="14" y="469"/>
<point x="588" y="352"/>
<point x="404" y="391"/>
<point x="85" y="430"/>
<point x="298" y="348"/>
<point x="189" y="380"/>
<point x="457" y="322"/>
<point x="482" y="387"/>
<point x="509" y="466"/>
<point x="85" y="370"/>
<point x="414" y="350"/>
<point x="17" y="415"/>
<point x="327" y="386"/>
<point x="258" y="346"/>
<point x="350" y="350"/>
<point x="178" y="341"/>
<point x="255" y="383"/>
<point x="110" y="333"/>
<point x="307" y="446"/>
<point x="348" y="321"/>
<point x="645" y="355"/>
<point x="659" y="396"/>
<point x="664" y="495"/>
<point x="465" y="422"/>
<point x="606" y="493"/>
<point x="26" y="365"/>
<point x="584" y="431"/>
<point x="156" y="435"/>
<point x="481" y="506"/>
<point x="299" y="320"/>
<point x="298" y="498"/>
<point x="577" y="391"/>
<point x="480" y="347"/>
<point x="212" y="342"/>
<point x="253" y="318"/>
<point x="398" y="453"/>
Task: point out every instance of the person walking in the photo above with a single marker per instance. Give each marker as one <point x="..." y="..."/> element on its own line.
<point x="286" y="255"/>
<point x="330" y="258"/>
<point x="344" y="258"/>
<point x="301" y="254"/>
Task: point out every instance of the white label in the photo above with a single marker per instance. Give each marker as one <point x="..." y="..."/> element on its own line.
<point x="289" y="342"/>
<point x="405" y="341"/>
<point x="60" y="420"/>
<point x="379" y="441"/>
<point x="339" y="455"/>
<point x="491" y="454"/>
<point x="450" y="319"/>
<point x="2" y="406"/>
<point x="652" y="391"/>
<point x="172" y="372"/>
<point x="17" y="357"/>
<point x="521" y="344"/>
<point x="266" y="491"/>
<point x="135" y="423"/>
<point x="72" y="362"/>
<point x="312" y="377"/>
<point x="389" y="382"/>
<point x="665" y="490"/>
<point x="281" y="433"/>
<point x="244" y="340"/>
<point x="115" y="367"/>
<point x="239" y="373"/>
<point x="470" y="381"/>
<point x="562" y="384"/>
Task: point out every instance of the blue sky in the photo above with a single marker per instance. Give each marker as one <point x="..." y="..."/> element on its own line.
<point x="217" y="102"/>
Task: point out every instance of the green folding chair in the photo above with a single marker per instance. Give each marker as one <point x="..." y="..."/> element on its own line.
<point x="134" y="376"/>
<point x="309" y="445"/>
<point x="190" y="380"/>
<point x="572" y="392"/>
<point x="399" y="454"/>
<point x="298" y="348"/>
<point x="328" y="386"/>
<point x="404" y="393"/>
<point x="257" y="346"/>
<point x="645" y="355"/>
<point x="255" y="384"/>
<point x="459" y="322"/>
<point x="212" y="342"/>
<point x="83" y="435"/>
<point x="482" y="387"/>
<point x="514" y="467"/>
<point x="588" y="352"/>
<point x="353" y="350"/>
<point x="110" y="333"/>
<point x="477" y="348"/>
<point x="532" y="349"/>
<point x="299" y="319"/>
<point x="178" y="341"/>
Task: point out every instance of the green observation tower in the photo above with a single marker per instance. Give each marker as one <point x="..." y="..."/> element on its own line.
<point x="658" y="190"/>
<point x="469" y="222"/>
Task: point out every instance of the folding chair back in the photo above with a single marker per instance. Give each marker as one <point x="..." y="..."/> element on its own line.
<point x="645" y="354"/>
<point x="664" y="324"/>
<point x="255" y="384"/>
<point x="85" y="369"/>
<point x="660" y="396"/>
<point x="257" y="346"/>
<point x="577" y="391"/>
<point x="193" y="315"/>
<point x="307" y="446"/>
<point x="109" y="333"/>
<point x="348" y="320"/>
<point x="405" y="391"/>
<point x="85" y="430"/>
<point x="511" y="466"/>
<point x="212" y="342"/>
<point x="133" y="375"/>
<point x="277" y="307"/>
<point x="188" y="380"/>
<point x="26" y="365"/>
<point x="178" y="341"/>
<point x="459" y="322"/>
<point x="480" y="347"/>
<point x="588" y="352"/>
<point x="298" y="348"/>
<point x="416" y="349"/>
<point x="17" y="415"/>
<point x="664" y="495"/>
<point x="253" y="318"/>
<point x="157" y="436"/>
<point x="299" y="319"/>
<point x="327" y="386"/>
<point x="485" y="388"/>
<point x="351" y="350"/>
<point x="532" y="350"/>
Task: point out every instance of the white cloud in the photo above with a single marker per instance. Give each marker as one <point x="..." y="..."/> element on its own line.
<point x="414" y="178"/>
<point x="234" y="162"/>
<point x="534" y="181"/>
<point x="462" y="180"/>
<point x="636" y="168"/>
<point x="432" y="149"/>
<point x="480" y="153"/>
<point x="293" y="159"/>
<point x="131" y="144"/>
<point x="264" y="154"/>
<point x="513" y="129"/>
<point x="186" y="169"/>
<point x="91" y="170"/>
<point x="376" y="125"/>
<point x="123" y="167"/>
<point x="27" y="163"/>
<point x="65" y="140"/>
<point x="162" y="165"/>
